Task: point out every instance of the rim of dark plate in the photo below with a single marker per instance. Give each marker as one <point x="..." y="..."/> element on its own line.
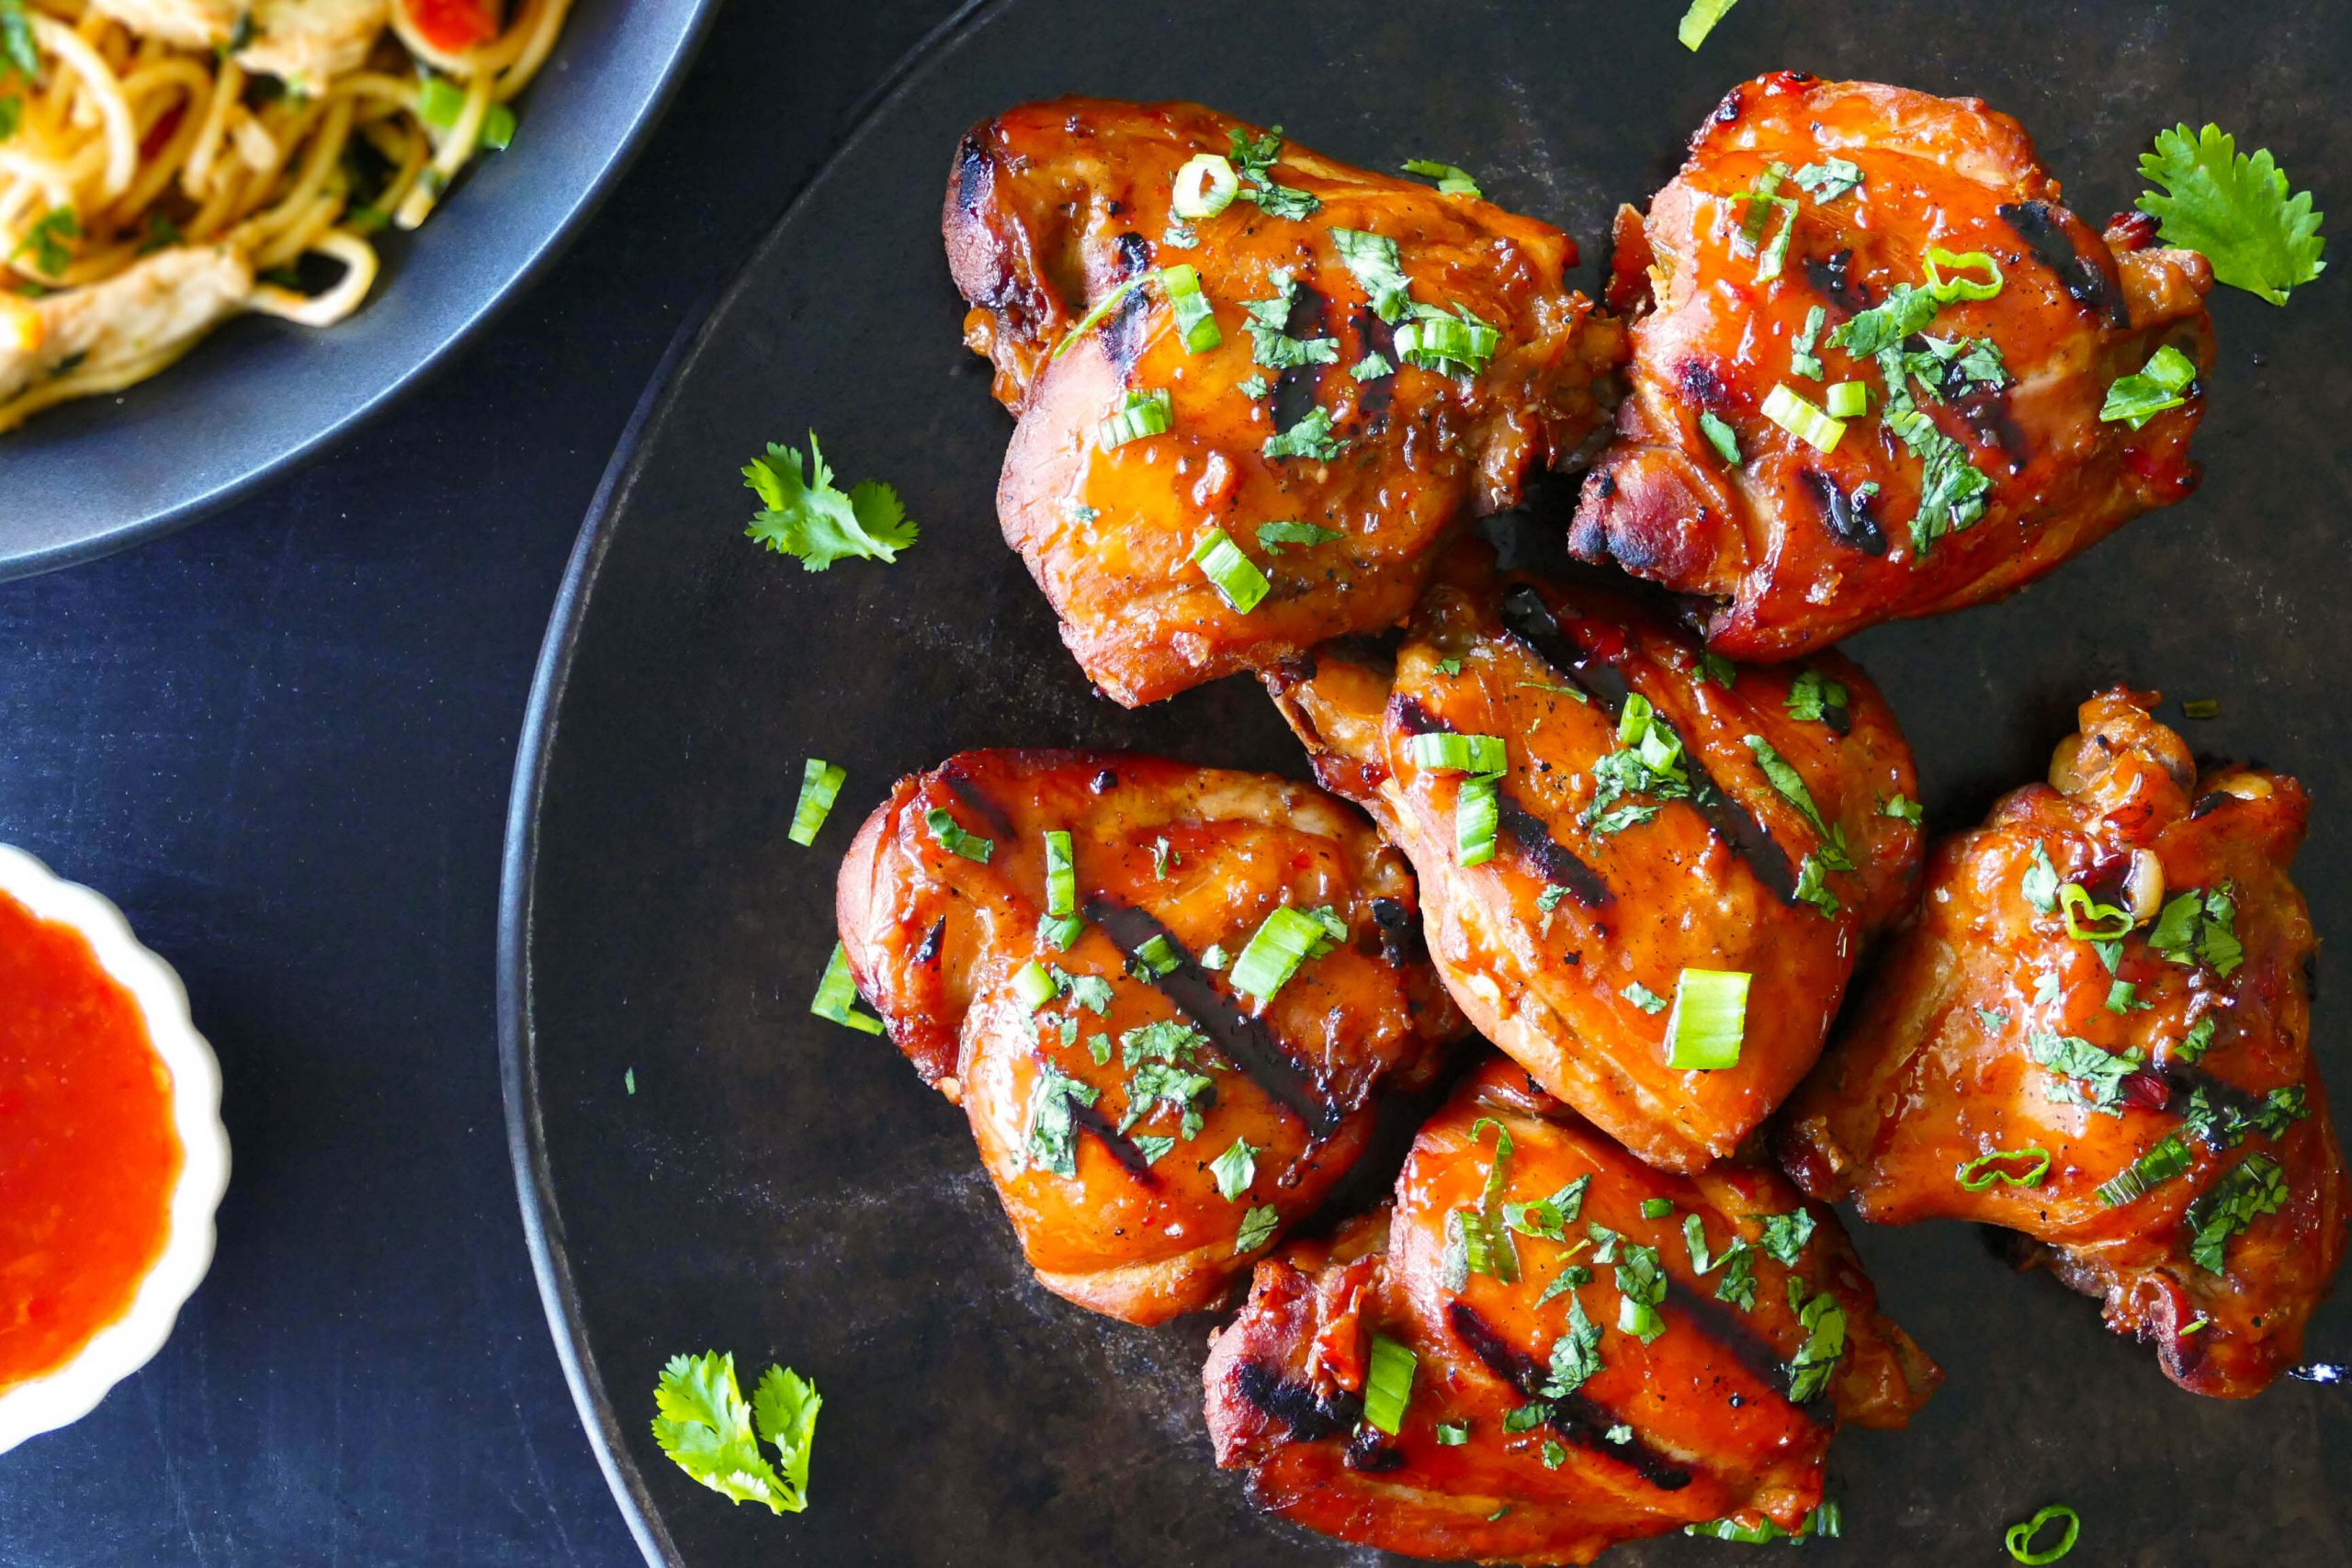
<point x="549" y="249"/>
<point x="517" y="1039"/>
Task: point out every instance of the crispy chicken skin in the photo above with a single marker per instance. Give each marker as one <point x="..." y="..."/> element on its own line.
<point x="1951" y="1058"/>
<point x="1565" y="947"/>
<point x="1053" y="207"/>
<point x="1709" y="1427"/>
<point x="1111" y="1188"/>
<point x="1787" y="540"/>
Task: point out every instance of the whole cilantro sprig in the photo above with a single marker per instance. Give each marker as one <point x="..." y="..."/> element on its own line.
<point x="805" y="516"/>
<point x="714" y="1434"/>
<point x="2233" y="209"/>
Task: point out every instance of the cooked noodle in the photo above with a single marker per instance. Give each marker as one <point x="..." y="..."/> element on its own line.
<point x="150" y="185"/>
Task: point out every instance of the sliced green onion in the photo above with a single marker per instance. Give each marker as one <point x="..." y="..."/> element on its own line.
<point x="1985" y="1169"/>
<point x="1034" y="986"/>
<point x="498" y="127"/>
<point x="1237" y="577"/>
<point x="1388" y="1384"/>
<point x="1847" y="399"/>
<point x="1477" y="813"/>
<point x="952" y="838"/>
<point x="1947" y="289"/>
<point x="1758" y="204"/>
<point x="1061" y="934"/>
<point x="1450" y="181"/>
<point x="2160" y="1164"/>
<point x="439" y="102"/>
<point x="1459" y="753"/>
<point x="1451" y="1434"/>
<point x="1061" y="876"/>
<point x="1447" y="344"/>
<point x="1710" y="1016"/>
<point x="836" y="999"/>
<point x="1802" y="420"/>
<point x="2107" y="922"/>
<point x="1768" y="264"/>
<point x="1155" y="957"/>
<point x="1103" y="307"/>
<point x="1143" y="414"/>
<point x="1206" y="185"/>
<point x="2200" y="707"/>
<point x="1720" y="436"/>
<point x="1656" y="1208"/>
<point x="1195" y="322"/>
<point x="821" y="785"/>
<point x="1700" y="20"/>
<point x="1286" y="939"/>
<point x="2019" y="1540"/>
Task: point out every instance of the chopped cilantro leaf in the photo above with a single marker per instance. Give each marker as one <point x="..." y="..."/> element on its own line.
<point x="1235" y="1169"/>
<point x="1450" y="181"/>
<point x="1642" y="997"/>
<point x="1051" y="1137"/>
<point x="1825" y="1325"/>
<point x="1830" y="179"/>
<point x="1373" y="259"/>
<point x="1257" y="1229"/>
<point x="804" y="517"/>
<point x="2254" y="1187"/>
<point x="1813" y="695"/>
<point x="706" y="1427"/>
<point x="2233" y="209"/>
<point x="1310" y="437"/>
<point x="2088" y="1076"/>
<point x="1785" y="1236"/>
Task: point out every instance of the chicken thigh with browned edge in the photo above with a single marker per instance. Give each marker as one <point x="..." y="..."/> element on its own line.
<point x="1549" y="1349"/>
<point x="1653" y="812"/>
<point x="1166" y="996"/>
<point x="2096" y="1032"/>
<point x="1913" y="251"/>
<point x="1276" y="411"/>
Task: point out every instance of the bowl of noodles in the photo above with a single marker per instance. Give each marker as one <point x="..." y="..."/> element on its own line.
<point x="230" y="229"/>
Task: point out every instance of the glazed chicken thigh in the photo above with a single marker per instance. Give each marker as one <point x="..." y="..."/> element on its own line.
<point x="1164" y="995"/>
<point x="1277" y="411"/>
<point x="1913" y="250"/>
<point x="2098" y="1033"/>
<point x="1550" y="1349"/>
<point x="1653" y="813"/>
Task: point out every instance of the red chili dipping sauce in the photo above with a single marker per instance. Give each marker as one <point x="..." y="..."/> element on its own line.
<point x="88" y="1153"/>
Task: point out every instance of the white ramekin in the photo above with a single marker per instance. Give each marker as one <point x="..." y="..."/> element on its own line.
<point x="74" y="1390"/>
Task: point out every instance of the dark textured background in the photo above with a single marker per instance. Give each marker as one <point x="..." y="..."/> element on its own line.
<point x="282" y="741"/>
<point x="785" y="1188"/>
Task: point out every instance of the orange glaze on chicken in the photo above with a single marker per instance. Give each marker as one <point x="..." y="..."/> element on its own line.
<point x="1791" y="540"/>
<point x="1565" y="947"/>
<point x="1520" y="1443"/>
<point x="1992" y="1029"/>
<point x="1101" y="1113"/>
<point x="1054" y="206"/>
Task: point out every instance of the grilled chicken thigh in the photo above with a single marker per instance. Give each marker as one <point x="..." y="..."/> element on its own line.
<point x="2098" y="1033"/>
<point x="1828" y="232"/>
<point x="1149" y="1122"/>
<point x="1655" y="814"/>
<point x="1345" y="364"/>
<point x="1595" y="1352"/>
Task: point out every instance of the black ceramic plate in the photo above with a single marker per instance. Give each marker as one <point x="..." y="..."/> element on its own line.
<point x="261" y="394"/>
<point x="786" y="1189"/>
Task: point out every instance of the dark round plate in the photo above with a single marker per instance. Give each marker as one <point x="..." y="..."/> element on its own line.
<point x="786" y="1189"/>
<point x="262" y="395"/>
